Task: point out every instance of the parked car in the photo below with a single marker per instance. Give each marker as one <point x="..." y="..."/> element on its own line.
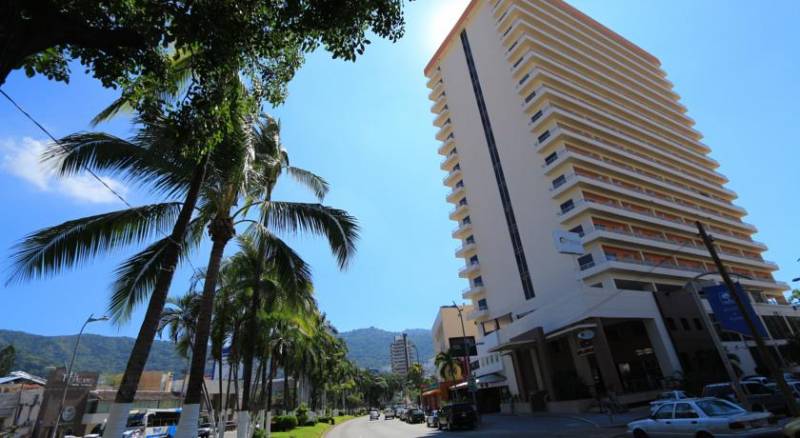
<point x="704" y="417"/>
<point x="460" y="415"/>
<point x="756" y="378"/>
<point x="760" y="397"/>
<point x="204" y="430"/>
<point x="667" y="396"/>
<point x="388" y="414"/>
<point x="793" y="385"/>
<point x="399" y="413"/>
<point x="374" y="415"/>
<point x="415" y="416"/>
<point x="432" y="419"/>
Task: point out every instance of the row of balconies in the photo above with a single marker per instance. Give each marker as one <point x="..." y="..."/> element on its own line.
<point x="531" y="48"/>
<point x="687" y="246"/>
<point x="649" y="216"/>
<point x="583" y="35"/>
<point x="638" y="156"/>
<point x="650" y="197"/>
<point x="568" y="152"/>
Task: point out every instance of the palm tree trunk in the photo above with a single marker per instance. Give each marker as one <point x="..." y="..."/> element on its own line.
<point x="118" y="415"/>
<point x="285" y="389"/>
<point x="269" y="385"/>
<point x="222" y="231"/>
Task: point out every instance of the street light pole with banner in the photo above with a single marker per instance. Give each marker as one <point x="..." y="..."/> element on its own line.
<point x="727" y="311"/>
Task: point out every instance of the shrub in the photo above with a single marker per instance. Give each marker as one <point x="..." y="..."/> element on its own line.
<point x="283" y="423"/>
<point x="327" y="419"/>
<point x="260" y="433"/>
<point x="302" y="414"/>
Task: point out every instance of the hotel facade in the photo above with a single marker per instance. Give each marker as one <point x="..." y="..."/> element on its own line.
<point x="554" y="127"/>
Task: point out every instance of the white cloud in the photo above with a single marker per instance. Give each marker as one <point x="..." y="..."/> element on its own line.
<point x="22" y="159"/>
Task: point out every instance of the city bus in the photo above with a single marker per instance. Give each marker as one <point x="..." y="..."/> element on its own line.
<point x="152" y="423"/>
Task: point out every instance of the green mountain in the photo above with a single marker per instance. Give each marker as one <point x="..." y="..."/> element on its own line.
<point x="104" y="354"/>
<point x="369" y="347"/>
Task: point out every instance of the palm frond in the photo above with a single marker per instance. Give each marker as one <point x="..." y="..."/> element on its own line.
<point x="340" y="229"/>
<point x="136" y="277"/>
<point x="50" y="250"/>
<point x="312" y="181"/>
<point x="121" y="104"/>
<point x="132" y="162"/>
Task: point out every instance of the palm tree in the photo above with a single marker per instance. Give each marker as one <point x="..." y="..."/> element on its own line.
<point x="448" y="365"/>
<point x="339" y="228"/>
<point x="154" y="159"/>
<point x="179" y="319"/>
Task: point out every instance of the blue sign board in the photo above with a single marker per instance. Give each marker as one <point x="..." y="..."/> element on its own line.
<point x="727" y="311"/>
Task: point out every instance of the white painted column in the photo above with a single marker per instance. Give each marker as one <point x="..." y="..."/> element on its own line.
<point x="189" y="421"/>
<point x="117" y="419"/>
<point x="662" y="347"/>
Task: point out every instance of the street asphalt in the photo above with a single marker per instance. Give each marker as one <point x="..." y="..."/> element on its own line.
<point x="492" y="426"/>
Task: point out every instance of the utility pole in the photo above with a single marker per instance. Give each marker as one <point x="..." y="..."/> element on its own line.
<point x="723" y="354"/>
<point x="762" y="347"/>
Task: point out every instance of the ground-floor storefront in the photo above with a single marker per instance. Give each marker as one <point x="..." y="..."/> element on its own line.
<point x="623" y="359"/>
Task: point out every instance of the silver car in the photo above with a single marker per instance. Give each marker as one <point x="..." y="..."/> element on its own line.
<point x="704" y="417"/>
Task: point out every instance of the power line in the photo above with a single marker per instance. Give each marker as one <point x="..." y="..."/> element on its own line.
<point x="90" y="171"/>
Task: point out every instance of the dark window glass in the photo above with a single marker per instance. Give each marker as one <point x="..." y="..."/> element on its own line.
<point x="585" y="261"/>
<point x="567" y="206"/>
<point x="685" y="324"/>
<point x="671" y="323"/>
<point x="550" y="158"/>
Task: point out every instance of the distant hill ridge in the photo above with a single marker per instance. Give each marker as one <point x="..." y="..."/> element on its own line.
<point x="367" y="347"/>
<point x="104" y="354"/>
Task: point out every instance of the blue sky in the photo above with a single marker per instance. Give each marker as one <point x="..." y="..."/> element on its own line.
<point x="367" y="128"/>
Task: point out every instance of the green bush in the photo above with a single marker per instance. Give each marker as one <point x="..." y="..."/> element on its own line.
<point x="260" y="433"/>
<point x="302" y="414"/>
<point x="327" y="419"/>
<point x="283" y="423"/>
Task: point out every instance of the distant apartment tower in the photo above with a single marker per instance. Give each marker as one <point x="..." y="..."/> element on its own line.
<point x="550" y="122"/>
<point x="401" y="353"/>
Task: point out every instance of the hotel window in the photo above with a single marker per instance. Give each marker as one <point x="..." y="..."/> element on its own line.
<point x="451" y="136"/>
<point x="578" y="230"/>
<point x="530" y="97"/>
<point x="477" y="282"/>
<point x="473" y="260"/>
<point x="697" y="324"/>
<point x="482" y="304"/>
<point x="469" y="240"/>
<point x="685" y="324"/>
<point x="466" y="221"/>
<point x="671" y="324"/>
<point x="536" y="117"/>
<point x="551" y="158"/>
<point x="558" y="182"/>
<point x="519" y="61"/>
<point x="567" y="206"/>
<point x="463" y="201"/>
<point x="457" y="167"/>
<point x="460" y="184"/>
<point x="453" y="152"/>
<point x="585" y="262"/>
<point x="543" y="137"/>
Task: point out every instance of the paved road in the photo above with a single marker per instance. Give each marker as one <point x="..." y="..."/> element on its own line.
<point x="493" y="426"/>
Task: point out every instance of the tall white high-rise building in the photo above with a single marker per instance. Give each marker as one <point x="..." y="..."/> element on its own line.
<point x="577" y="178"/>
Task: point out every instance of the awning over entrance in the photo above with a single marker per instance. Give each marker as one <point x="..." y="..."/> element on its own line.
<point x="485" y="379"/>
<point x="432" y="392"/>
<point x="528" y="338"/>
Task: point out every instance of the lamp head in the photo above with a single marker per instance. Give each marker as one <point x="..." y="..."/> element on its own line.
<point x="98" y="318"/>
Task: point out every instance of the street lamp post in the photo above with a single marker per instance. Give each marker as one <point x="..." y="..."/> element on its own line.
<point x="67" y="376"/>
<point x="466" y="355"/>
